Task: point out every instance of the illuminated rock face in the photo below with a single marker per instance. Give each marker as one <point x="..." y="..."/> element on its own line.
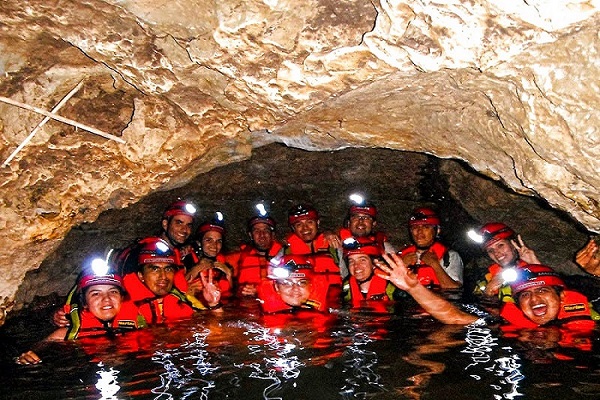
<point x="511" y="89"/>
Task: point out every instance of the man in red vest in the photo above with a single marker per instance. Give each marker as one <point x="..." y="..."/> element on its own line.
<point x="436" y="265"/>
<point x="250" y="263"/>
<point x="306" y="239"/>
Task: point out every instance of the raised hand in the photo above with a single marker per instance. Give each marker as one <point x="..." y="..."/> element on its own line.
<point x="210" y="290"/>
<point x="588" y="258"/>
<point x="525" y="253"/>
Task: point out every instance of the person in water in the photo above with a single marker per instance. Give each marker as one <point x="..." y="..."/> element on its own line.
<point x="100" y="306"/>
<point x="541" y="298"/>
<point x="507" y="250"/>
<point x="363" y="288"/>
<point x="293" y="286"/>
<point x="250" y="263"/>
<point x="152" y="288"/>
<point x="436" y="265"/>
<point x="209" y="237"/>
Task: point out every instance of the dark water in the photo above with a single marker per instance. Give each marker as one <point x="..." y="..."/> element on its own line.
<point x="343" y="355"/>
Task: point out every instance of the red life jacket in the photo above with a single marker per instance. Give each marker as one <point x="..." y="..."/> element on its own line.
<point x="87" y="324"/>
<point x="376" y="297"/>
<point x="378" y="238"/>
<point x="575" y="313"/>
<point x="250" y="265"/>
<point x="174" y="305"/>
<point x="272" y="303"/>
<point x="320" y="254"/>
<point x="426" y="273"/>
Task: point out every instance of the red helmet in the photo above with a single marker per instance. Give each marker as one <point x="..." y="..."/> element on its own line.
<point x="360" y="245"/>
<point x="180" y="207"/>
<point x="534" y="275"/>
<point x="302" y="212"/>
<point x="155" y="250"/>
<point x="261" y="219"/>
<point x="493" y="232"/>
<point x="216" y="224"/>
<point x="98" y="272"/>
<point x="368" y="209"/>
<point x="424" y="216"/>
<point x="290" y="266"/>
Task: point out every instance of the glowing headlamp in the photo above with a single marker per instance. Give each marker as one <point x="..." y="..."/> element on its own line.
<point x="476" y="237"/>
<point x="189" y="208"/>
<point x="357" y="199"/>
<point x="280" y="273"/>
<point x="162" y="247"/>
<point x="219" y="216"/>
<point x="510" y="275"/>
<point x="99" y="267"/>
<point x="262" y="211"/>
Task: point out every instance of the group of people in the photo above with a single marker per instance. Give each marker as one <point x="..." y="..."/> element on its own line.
<point x="171" y="276"/>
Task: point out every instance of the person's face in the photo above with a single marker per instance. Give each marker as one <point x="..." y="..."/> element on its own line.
<point x="360" y="266"/>
<point x="423" y="236"/>
<point x="212" y="242"/>
<point x="540" y="304"/>
<point x="178" y="229"/>
<point x="502" y="252"/>
<point x="158" y="277"/>
<point x="361" y="224"/>
<point x="103" y="301"/>
<point x="294" y="291"/>
<point x="262" y="236"/>
<point x="306" y="229"/>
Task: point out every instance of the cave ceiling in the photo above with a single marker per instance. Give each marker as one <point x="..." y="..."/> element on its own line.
<point x="156" y="93"/>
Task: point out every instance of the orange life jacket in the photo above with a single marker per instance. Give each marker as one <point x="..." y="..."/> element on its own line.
<point x="322" y="257"/>
<point x="376" y="298"/>
<point x="378" y="238"/>
<point x="127" y="319"/>
<point x="426" y="273"/>
<point x="250" y="265"/>
<point x="174" y="305"/>
<point x="272" y="303"/>
<point x="575" y="313"/>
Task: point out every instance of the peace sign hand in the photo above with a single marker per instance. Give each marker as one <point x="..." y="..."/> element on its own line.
<point x="525" y="253"/>
<point x="210" y="290"/>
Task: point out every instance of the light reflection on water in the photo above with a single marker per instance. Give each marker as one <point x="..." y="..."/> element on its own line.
<point x="343" y="355"/>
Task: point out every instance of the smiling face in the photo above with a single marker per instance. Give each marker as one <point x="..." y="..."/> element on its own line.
<point x="306" y="229"/>
<point x="540" y="304"/>
<point x="212" y="242"/>
<point x="103" y="301"/>
<point x="294" y="291"/>
<point x="178" y="229"/>
<point x="158" y="277"/>
<point x="423" y="235"/>
<point x="360" y="266"/>
<point x="503" y="253"/>
<point x="262" y="236"/>
<point x="361" y="224"/>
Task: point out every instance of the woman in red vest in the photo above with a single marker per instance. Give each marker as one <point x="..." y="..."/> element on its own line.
<point x="99" y="306"/>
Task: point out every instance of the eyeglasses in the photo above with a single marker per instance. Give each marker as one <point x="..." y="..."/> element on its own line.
<point x="289" y="284"/>
<point x="357" y="217"/>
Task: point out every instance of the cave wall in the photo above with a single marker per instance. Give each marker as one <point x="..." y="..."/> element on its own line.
<point x="510" y="88"/>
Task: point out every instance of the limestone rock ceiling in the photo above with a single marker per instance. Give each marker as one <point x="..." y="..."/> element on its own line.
<point x="509" y="87"/>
